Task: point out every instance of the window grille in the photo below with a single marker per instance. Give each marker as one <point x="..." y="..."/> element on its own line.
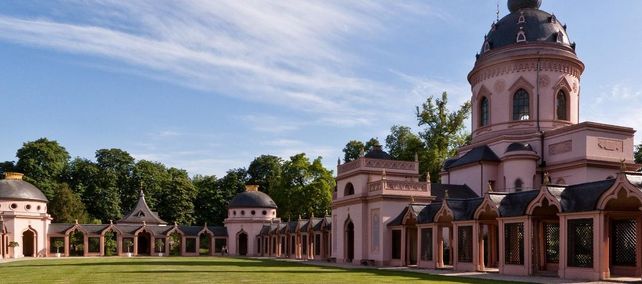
<point x="426" y="244"/>
<point x="465" y="243"/>
<point x="396" y="244"/>
<point x="624" y="242"/>
<point x="580" y="243"/>
<point x="552" y="239"/>
<point x="514" y="243"/>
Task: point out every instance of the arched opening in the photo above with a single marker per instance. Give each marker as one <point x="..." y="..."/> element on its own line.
<point x="483" y="112"/>
<point x="205" y="244"/>
<point x="29" y="243"/>
<point x="519" y="185"/>
<point x="444" y="240"/>
<point x="489" y="239"/>
<point x="242" y="243"/>
<point x="76" y="243"/>
<point x="175" y="240"/>
<point x="546" y="239"/>
<point x="521" y="110"/>
<point x="144" y="243"/>
<point x="561" y="106"/>
<point x="349" y="244"/>
<point x="349" y="189"/>
<point x="110" y="244"/>
<point x="410" y="225"/>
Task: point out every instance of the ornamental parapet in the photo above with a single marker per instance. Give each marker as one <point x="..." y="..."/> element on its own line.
<point x="399" y="186"/>
<point x="365" y="163"/>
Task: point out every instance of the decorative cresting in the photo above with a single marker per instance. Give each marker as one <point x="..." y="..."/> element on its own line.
<point x="13" y="176"/>
<point x="377" y="164"/>
<point x="397" y="185"/>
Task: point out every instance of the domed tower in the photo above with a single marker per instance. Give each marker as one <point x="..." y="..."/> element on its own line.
<point x="246" y="214"/>
<point x="24" y="218"/>
<point x="526" y="77"/>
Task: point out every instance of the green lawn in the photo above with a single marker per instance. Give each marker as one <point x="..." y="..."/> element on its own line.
<point x="200" y="270"/>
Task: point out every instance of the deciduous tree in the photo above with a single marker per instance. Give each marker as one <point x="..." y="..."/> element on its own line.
<point x="66" y="207"/>
<point x="43" y="162"/>
<point x="264" y="171"/>
<point x="443" y="131"/>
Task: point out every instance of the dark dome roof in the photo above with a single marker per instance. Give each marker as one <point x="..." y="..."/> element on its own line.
<point x="377" y="153"/>
<point x="519" y="147"/>
<point x="252" y="199"/>
<point x="20" y="190"/>
<point x="537" y="25"/>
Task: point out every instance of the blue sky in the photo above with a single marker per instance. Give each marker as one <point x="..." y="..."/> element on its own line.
<point x="209" y="85"/>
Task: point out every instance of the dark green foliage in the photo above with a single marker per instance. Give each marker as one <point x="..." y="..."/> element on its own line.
<point x="304" y="188"/>
<point x="208" y="199"/>
<point x="353" y="149"/>
<point x="638" y="154"/>
<point x="404" y="145"/>
<point x="176" y="201"/>
<point x="98" y="189"/>
<point x="110" y="244"/>
<point x="264" y="171"/>
<point x="43" y="162"/>
<point x="66" y="206"/>
<point x="7" y="166"/>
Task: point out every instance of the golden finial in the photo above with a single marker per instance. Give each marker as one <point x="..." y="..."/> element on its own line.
<point x="623" y="165"/>
<point x="383" y="174"/>
<point x="111" y="222"/>
<point x="547" y="178"/>
<point x="427" y="176"/>
<point x="446" y="194"/>
<point x="144" y="223"/>
<point x="76" y="221"/>
<point x="412" y="199"/>
<point x="490" y="186"/>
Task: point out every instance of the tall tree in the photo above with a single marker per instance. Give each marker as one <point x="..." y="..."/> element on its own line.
<point x="403" y="144"/>
<point x="66" y="207"/>
<point x="208" y="197"/>
<point x="353" y="149"/>
<point x="304" y="188"/>
<point x="150" y="177"/>
<point x="638" y="154"/>
<point x="176" y="203"/>
<point x="119" y="165"/>
<point x="443" y="131"/>
<point x="43" y="162"/>
<point x="7" y="166"/>
<point x="231" y="184"/>
<point x="264" y="171"/>
<point x="97" y="188"/>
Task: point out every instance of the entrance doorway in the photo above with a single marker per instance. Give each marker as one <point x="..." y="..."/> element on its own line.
<point x="624" y="243"/>
<point x="144" y="243"/>
<point x="546" y="241"/>
<point x="242" y="243"/>
<point x="349" y="245"/>
<point x="29" y="243"/>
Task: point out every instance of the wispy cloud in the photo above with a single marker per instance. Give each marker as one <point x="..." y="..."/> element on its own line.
<point x="624" y="102"/>
<point x="285" y="53"/>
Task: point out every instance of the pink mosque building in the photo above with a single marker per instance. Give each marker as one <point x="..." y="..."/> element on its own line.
<point x="535" y="193"/>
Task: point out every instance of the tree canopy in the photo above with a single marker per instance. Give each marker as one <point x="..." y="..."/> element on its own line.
<point x="638" y="154"/>
<point x="43" y="163"/>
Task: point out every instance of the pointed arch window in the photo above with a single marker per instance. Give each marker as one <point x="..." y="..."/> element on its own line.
<point x="562" y="106"/>
<point x="521" y="105"/>
<point x="483" y="112"/>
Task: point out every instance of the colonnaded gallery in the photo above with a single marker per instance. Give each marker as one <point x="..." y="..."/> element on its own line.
<point x="535" y="193"/>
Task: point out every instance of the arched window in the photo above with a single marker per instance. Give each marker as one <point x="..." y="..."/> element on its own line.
<point x="520" y="105"/>
<point x="519" y="185"/>
<point x="349" y="189"/>
<point x="561" y="106"/>
<point x="483" y="112"/>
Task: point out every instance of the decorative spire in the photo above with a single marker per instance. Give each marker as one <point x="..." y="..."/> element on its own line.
<point x="76" y="221"/>
<point x="547" y="178"/>
<point x="445" y="194"/>
<point x="111" y="222"/>
<point x="416" y="157"/>
<point x="338" y="161"/>
<point x="299" y="217"/>
<point x="490" y="187"/>
<point x="427" y="176"/>
<point x="325" y="213"/>
<point x="383" y="174"/>
<point x="205" y="225"/>
<point x="498" y="10"/>
<point x="144" y="223"/>
<point x="412" y="199"/>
